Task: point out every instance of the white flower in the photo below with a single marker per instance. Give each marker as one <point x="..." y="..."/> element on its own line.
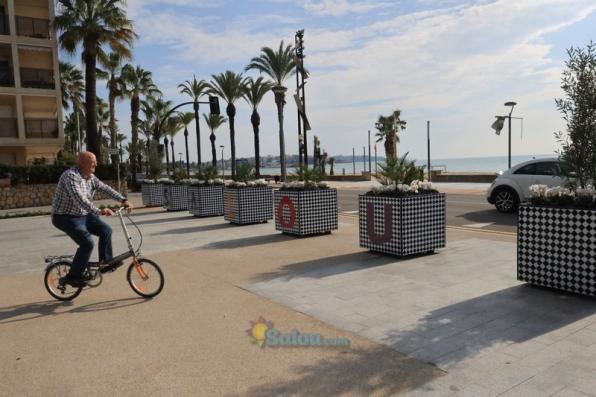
<point x="251" y="184"/>
<point x="558" y="191"/>
<point x="538" y="190"/>
<point x="402" y="188"/>
<point x="260" y="182"/>
<point x="323" y="185"/>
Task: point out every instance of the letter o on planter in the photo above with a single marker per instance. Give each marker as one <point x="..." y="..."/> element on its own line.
<point x="306" y="212"/>
<point x="286" y="202"/>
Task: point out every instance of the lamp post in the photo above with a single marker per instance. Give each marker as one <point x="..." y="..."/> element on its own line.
<point x="180" y="156"/>
<point x="512" y="104"/>
<point x="223" y="170"/>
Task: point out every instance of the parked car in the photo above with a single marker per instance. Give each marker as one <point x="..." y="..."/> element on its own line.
<point x="513" y="186"/>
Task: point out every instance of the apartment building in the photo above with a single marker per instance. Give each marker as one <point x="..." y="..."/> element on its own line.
<point x="30" y="101"/>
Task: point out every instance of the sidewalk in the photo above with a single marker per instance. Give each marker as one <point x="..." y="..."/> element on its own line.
<point x="453" y="323"/>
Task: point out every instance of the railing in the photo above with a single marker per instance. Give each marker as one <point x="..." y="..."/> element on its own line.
<point x="37" y="78"/>
<point x="41" y="128"/>
<point x="6" y="77"/>
<point x="33" y="27"/>
<point x="8" y="127"/>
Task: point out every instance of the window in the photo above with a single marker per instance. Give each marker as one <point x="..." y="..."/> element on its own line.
<point x="529" y="169"/>
<point x="547" y="168"/>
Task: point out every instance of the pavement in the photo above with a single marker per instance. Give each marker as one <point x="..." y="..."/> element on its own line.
<point x="454" y="323"/>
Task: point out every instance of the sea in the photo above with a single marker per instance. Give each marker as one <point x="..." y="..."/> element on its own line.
<point x="465" y="164"/>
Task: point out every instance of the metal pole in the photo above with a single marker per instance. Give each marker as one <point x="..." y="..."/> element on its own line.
<point x="369" y="162"/>
<point x="300" y="144"/>
<point x="376" y="164"/>
<point x="78" y="131"/>
<point x="223" y="169"/>
<point x="428" y="147"/>
<point x="364" y="158"/>
<point x="509" y="157"/>
<point x="354" y="161"/>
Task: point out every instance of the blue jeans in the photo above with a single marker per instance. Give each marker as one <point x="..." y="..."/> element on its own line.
<point x="80" y="229"/>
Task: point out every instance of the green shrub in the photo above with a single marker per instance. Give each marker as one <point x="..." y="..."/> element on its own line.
<point x="244" y="173"/>
<point x="400" y="171"/>
<point x="207" y="172"/>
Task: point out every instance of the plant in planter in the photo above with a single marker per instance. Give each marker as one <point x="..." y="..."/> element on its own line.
<point x="404" y="216"/>
<point x="307" y="205"/>
<point x="247" y="200"/>
<point x="556" y="236"/>
<point x="206" y="193"/>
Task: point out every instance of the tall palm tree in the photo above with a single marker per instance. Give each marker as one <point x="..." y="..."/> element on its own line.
<point x="230" y="87"/>
<point x="112" y="63"/>
<point x="136" y="82"/>
<point x="254" y="93"/>
<point x="102" y="118"/>
<point x="389" y="128"/>
<point x="155" y="108"/>
<point x="278" y="65"/>
<point x="94" y="24"/>
<point x="185" y="119"/>
<point x="120" y="138"/>
<point x="72" y="87"/>
<point x="172" y="127"/>
<point x="213" y="121"/>
<point x="195" y="89"/>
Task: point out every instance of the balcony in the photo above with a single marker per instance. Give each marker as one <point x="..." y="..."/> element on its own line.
<point x="6" y="76"/>
<point x="41" y="128"/>
<point x="8" y="127"/>
<point x="4" y="26"/>
<point x="37" y="78"/>
<point x="33" y="27"/>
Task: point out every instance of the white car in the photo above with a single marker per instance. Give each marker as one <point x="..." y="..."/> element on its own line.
<point x="513" y="186"/>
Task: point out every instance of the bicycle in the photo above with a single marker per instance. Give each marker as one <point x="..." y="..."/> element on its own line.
<point x="143" y="275"/>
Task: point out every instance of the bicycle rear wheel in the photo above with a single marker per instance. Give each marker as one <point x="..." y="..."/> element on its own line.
<point x="54" y="273"/>
<point x="145" y="278"/>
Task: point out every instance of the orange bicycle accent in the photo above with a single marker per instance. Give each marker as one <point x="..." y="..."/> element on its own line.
<point x="140" y="269"/>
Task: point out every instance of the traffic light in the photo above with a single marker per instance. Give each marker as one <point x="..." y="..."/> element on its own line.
<point x="213" y="104"/>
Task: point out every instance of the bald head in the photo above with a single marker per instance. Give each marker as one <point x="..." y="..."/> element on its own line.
<point x="87" y="163"/>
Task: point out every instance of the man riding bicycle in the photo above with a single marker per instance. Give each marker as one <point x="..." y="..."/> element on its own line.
<point x="74" y="213"/>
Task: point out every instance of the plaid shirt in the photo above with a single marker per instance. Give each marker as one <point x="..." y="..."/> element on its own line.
<point x="74" y="193"/>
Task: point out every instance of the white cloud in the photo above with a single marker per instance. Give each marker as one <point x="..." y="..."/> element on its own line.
<point x="342" y="7"/>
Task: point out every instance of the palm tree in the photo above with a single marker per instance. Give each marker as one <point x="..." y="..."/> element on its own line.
<point x="213" y="121"/>
<point x="94" y="24"/>
<point x="112" y="63"/>
<point x="72" y="87"/>
<point x="120" y="138"/>
<point x="278" y="65"/>
<point x="155" y="108"/>
<point x="389" y="128"/>
<point x="172" y="127"/>
<point x="230" y="87"/>
<point x="254" y="92"/>
<point x="331" y="164"/>
<point x="195" y="89"/>
<point x="135" y="83"/>
<point x="185" y="120"/>
<point x="102" y="118"/>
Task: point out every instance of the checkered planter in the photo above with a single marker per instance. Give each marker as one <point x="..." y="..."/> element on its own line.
<point x="152" y="194"/>
<point x="206" y="200"/>
<point x="304" y="212"/>
<point x="556" y="248"/>
<point x="175" y="197"/>
<point x="402" y="226"/>
<point x="248" y="205"/>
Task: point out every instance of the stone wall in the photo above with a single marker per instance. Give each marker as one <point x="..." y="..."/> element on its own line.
<point x="23" y="196"/>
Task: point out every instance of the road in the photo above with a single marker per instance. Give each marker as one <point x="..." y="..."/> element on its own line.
<point x="463" y="210"/>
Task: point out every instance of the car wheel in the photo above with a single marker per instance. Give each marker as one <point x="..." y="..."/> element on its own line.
<point x="506" y="200"/>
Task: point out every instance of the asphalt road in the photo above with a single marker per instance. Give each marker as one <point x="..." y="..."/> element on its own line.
<point x="463" y="210"/>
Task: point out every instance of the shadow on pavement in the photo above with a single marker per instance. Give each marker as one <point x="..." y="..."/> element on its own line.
<point x="196" y="229"/>
<point x="490" y="216"/>
<point x="248" y="241"/>
<point x="452" y="333"/>
<point x="332" y="265"/>
<point x="355" y="371"/>
<point x="162" y="220"/>
<point x="32" y="311"/>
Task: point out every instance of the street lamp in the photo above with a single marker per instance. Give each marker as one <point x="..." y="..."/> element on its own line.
<point x="498" y="126"/>
<point x="223" y="170"/>
<point x="180" y="156"/>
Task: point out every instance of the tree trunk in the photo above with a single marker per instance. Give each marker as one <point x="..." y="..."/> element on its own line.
<point x="112" y="126"/>
<point x="186" y="145"/>
<point x="198" y="132"/>
<point x="389" y="148"/>
<point x="231" y="112"/>
<point x="93" y="139"/>
<point x="255" y="119"/>
<point x="213" y="152"/>
<point x="279" y="92"/>
<point x="165" y="143"/>
<point x="173" y="155"/>
<point x="135" y="104"/>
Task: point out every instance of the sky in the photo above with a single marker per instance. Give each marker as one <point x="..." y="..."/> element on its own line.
<point x="451" y="62"/>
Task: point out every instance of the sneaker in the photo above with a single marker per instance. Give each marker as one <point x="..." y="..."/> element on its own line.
<point x="76" y="281"/>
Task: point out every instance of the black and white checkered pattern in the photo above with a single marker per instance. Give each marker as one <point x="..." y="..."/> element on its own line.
<point x="175" y="197"/>
<point x="248" y="205"/>
<point x="305" y="212"/>
<point x="556" y="248"/>
<point x="152" y="194"/>
<point x="416" y="223"/>
<point x="206" y="200"/>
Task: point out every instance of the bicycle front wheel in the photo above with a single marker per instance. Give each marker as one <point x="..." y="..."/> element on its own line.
<point x="145" y="278"/>
<point x="58" y="290"/>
